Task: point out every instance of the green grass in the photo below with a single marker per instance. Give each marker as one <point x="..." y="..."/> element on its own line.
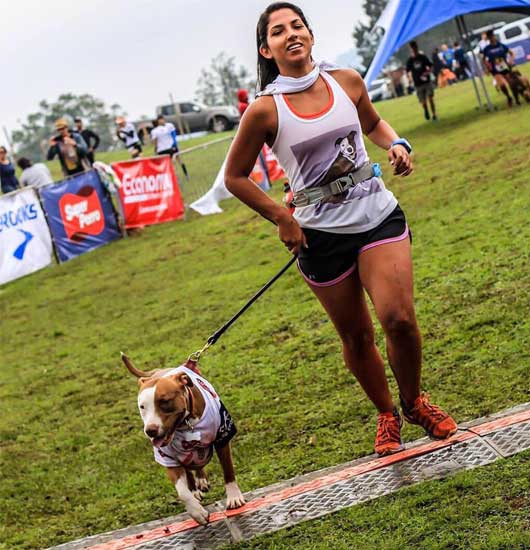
<point x="72" y="455"/>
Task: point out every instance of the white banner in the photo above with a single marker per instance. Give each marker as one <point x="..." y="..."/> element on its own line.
<point x="25" y="241"/>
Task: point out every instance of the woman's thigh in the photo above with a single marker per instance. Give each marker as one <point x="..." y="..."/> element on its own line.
<point x="346" y="306"/>
<point x="385" y="272"/>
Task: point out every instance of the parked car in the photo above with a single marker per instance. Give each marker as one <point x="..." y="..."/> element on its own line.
<point x="196" y="117"/>
<point x="380" y="89"/>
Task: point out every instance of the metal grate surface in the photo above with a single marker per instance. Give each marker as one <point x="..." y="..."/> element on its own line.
<point x="504" y="435"/>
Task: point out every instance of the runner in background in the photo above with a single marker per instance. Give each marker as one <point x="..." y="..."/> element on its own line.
<point x="495" y="58"/>
<point x="126" y="132"/>
<point x="419" y="67"/>
<point x="164" y="138"/>
<point x="92" y="140"/>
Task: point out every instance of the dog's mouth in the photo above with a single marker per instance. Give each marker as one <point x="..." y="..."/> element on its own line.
<point x="165" y="439"/>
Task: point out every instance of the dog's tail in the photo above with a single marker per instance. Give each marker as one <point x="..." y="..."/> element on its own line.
<point x="132" y="369"/>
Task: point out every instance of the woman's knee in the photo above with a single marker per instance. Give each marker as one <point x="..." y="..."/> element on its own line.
<point x="399" y="322"/>
<point x="359" y="342"/>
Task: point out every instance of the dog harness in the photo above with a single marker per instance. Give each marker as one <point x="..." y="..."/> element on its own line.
<point x="193" y="442"/>
<point x="319" y="151"/>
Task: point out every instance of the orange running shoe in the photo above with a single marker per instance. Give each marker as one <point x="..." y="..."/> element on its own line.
<point x="388" y="438"/>
<point x="436" y="422"/>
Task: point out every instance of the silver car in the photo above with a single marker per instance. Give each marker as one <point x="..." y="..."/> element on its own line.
<point x="196" y="117"/>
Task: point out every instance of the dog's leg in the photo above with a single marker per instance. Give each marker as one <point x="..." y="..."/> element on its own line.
<point x="234" y="497"/>
<point x="202" y="481"/>
<point x="192" y="485"/>
<point x="179" y="478"/>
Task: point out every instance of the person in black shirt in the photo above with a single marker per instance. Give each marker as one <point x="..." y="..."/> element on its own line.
<point x="419" y="68"/>
<point x="91" y="139"/>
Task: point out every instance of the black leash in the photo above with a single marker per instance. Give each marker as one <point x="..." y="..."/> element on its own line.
<point x="194" y="357"/>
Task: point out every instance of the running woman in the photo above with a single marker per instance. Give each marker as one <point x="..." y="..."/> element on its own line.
<point x="348" y="242"/>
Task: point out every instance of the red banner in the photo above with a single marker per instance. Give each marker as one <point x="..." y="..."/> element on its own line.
<point x="149" y="191"/>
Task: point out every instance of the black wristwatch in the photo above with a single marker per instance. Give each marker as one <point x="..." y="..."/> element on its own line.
<point x="404" y="142"/>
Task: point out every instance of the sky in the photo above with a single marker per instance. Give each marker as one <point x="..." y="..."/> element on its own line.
<point x="136" y="52"/>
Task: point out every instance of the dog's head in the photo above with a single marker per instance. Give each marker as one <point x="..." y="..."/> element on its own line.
<point x="163" y="402"/>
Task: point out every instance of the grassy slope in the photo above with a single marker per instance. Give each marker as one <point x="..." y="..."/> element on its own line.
<point x="73" y="459"/>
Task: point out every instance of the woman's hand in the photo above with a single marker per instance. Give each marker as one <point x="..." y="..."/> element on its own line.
<point x="399" y="158"/>
<point x="291" y="234"/>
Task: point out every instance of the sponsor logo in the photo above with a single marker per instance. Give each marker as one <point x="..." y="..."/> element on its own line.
<point x="141" y="185"/>
<point x="12" y="218"/>
<point x="19" y="251"/>
<point x="82" y="214"/>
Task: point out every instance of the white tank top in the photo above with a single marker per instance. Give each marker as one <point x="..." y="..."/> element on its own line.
<point x="317" y="149"/>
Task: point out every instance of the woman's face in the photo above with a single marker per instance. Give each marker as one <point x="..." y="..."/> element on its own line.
<point x="3" y="153"/>
<point x="288" y="39"/>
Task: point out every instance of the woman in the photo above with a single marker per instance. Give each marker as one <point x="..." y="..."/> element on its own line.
<point x="348" y="242"/>
<point x="8" y="179"/>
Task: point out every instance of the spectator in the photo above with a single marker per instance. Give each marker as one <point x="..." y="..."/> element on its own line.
<point x="126" y="132"/>
<point x="484" y="41"/>
<point x="495" y="58"/>
<point x="8" y="179"/>
<point x="462" y="69"/>
<point x="419" y="67"/>
<point x="33" y="174"/>
<point x="164" y="138"/>
<point x="92" y="140"/>
<point x="71" y="149"/>
<point x="448" y="55"/>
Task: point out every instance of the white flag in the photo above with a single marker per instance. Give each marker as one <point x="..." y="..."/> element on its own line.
<point x="25" y="240"/>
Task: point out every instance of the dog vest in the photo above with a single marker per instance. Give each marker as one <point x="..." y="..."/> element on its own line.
<point x="194" y="446"/>
<point x="315" y="150"/>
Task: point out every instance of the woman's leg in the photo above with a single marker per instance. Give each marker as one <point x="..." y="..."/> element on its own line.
<point x="386" y="273"/>
<point x="346" y="306"/>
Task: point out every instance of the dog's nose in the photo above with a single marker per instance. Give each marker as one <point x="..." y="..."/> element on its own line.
<point x="151" y="430"/>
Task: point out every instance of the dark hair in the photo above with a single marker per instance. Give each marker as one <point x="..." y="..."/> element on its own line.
<point x="24" y="163"/>
<point x="413" y="45"/>
<point x="160" y="116"/>
<point x="2" y="148"/>
<point x="267" y="68"/>
<point x="77" y="119"/>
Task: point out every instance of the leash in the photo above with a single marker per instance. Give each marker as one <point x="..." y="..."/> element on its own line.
<point x="193" y="359"/>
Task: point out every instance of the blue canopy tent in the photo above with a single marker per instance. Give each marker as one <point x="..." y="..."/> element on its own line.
<point x="403" y="20"/>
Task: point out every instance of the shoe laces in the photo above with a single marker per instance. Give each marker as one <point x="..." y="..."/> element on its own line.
<point x="426" y="407"/>
<point x="388" y="428"/>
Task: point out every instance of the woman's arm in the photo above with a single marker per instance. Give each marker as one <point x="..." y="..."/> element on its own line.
<point x="257" y="124"/>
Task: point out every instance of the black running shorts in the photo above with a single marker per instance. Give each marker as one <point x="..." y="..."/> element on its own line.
<point x="331" y="257"/>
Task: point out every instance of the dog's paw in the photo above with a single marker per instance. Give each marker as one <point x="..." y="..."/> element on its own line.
<point x="234" y="497"/>
<point x="197" y="512"/>
<point x="198" y="494"/>
<point x="203" y="484"/>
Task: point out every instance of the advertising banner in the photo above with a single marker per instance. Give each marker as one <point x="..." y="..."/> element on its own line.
<point x="149" y="191"/>
<point x="25" y="241"/>
<point x="80" y="215"/>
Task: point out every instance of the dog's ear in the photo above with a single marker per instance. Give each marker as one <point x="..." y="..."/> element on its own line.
<point x="184" y="379"/>
<point x="338" y="141"/>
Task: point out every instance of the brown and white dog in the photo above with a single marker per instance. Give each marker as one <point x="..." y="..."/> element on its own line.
<point x="185" y="420"/>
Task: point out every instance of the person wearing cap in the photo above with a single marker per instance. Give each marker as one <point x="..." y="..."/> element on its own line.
<point x="91" y="138"/>
<point x="70" y="148"/>
<point x="126" y="132"/>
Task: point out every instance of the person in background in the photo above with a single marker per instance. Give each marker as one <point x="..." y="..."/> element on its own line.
<point x="126" y="132"/>
<point x="462" y="69"/>
<point x="496" y="60"/>
<point x="33" y="174"/>
<point x="92" y="140"/>
<point x="242" y="101"/>
<point x="419" y="67"/>
<point x="71" y="149"/>
<point x="164" y="138"/>
<point x="8" y="179"/>
<point x="484" y="41"/>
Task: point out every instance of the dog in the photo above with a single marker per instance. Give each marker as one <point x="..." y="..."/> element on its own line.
<point x="185" y="420"/>
<point x="519" y="85"/>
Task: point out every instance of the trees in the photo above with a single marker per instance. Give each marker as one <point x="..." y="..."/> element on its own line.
<point x="365" y="41"/>
<point x="31" y="140"/>
<point x="218" y="84"/>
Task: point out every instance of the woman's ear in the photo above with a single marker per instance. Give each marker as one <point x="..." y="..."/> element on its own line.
<point x="265" y="52"/>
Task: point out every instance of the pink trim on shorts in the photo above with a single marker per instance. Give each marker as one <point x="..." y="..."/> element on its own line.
<point x="404" y="235"/>
<point x="327" y="283"/>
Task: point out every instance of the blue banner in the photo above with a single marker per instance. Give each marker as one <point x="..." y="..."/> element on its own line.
<point x="80" y="215"/>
